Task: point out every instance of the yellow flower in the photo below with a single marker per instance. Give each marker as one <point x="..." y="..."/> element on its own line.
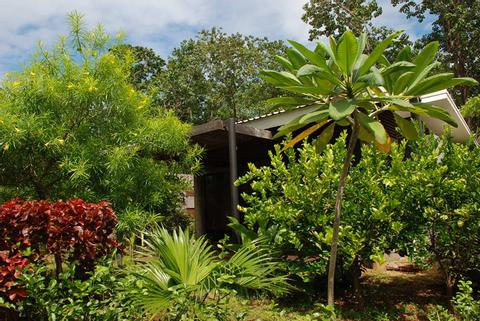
<point x="6" y="147"/>
<point x="92" y="88"/>
<point x="70" y="86"/>
<point x="61" y="141"/>
<point x="32" y="73"/>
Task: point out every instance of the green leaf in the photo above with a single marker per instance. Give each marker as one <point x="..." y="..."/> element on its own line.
<point x="324" y="138"/>
<point x="341" y="109"/>
<point x="313" y="57"/>
<point x="425" y="57"/>
<point x="347" y="52"/>
<point x="362" y="42"/>
<point x="285" y="63"/>
<point x="374" y="126"/>
<point x="407" y="127"/>
<point x="315" y="91"/>
<point x="289" y="101"/>
<point x="377" y="53"/>
<point x="402" y="82"/>
<point x="315" y="116"/>
<point x="405" y="54"/>
<point x="439" y="82"/>
<point x="280" y="78"/>
<point x="295" y="58"/>
<point x="424" y="73"/>
<point x="398" y="66"/>
<point x="308" y="70"/>
<point x="328" y="50"/>
<point x="436" y="112"/>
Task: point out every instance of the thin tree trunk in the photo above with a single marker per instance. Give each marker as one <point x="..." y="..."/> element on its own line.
<point x="338" y="210"/>
<point x="58" y="265"/>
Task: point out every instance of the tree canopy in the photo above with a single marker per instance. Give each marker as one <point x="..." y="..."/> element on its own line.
<point x="210" y="76"/>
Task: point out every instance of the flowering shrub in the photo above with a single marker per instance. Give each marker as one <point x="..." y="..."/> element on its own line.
<point x="72" y="230"/>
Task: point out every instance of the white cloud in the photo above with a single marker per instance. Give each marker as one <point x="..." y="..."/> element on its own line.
<point x="159" y="24"/>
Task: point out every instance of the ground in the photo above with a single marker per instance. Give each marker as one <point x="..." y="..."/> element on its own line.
<point x="388" y="296"/>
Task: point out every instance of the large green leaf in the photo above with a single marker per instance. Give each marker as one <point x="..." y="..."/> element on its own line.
<point x="285" y="63"/>
<point x="426" y="56"/>
<point x="404" y="55"/>
<point x="315" y="116"/>
<point x="439" y="82"/>
<point x="341" y="109"/>
<point x="315" y="91"/>
<point x="304" y="134"/>
<point x="402" y="82"/>
<point x="289" y="101"/>
<point x="377" y="53"/>
<point x="313" y="57"/>
<point x="347" y="52"/>
<point x="374" y="126"/>
<point x="295" y="58"/>
<point x="328" y="50"/>
<point x="437" y="112"/>
<point x="406" y="127"/>
<point x="401" y="66"/>
<point x="308" y="70"/>
<point x="280" y="78"/>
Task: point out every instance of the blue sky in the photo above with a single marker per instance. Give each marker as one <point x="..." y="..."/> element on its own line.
<point x="161" y="24"/>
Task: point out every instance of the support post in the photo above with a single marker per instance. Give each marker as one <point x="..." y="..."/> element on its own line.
<point x="232" y="156"/>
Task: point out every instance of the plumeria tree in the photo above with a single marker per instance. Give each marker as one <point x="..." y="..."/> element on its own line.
<point x="350" y="88"/>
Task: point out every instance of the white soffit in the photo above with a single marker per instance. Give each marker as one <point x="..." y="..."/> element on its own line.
<point x="443" y="100"/>
<point x="440" y="99"/>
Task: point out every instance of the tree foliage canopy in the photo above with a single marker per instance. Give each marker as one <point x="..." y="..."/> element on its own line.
<point x="210" y="76"/>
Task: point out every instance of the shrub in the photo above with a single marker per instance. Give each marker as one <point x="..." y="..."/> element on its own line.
<point x="74" y="230"/>
<point x="104" y="295"/>
<point x="183" y="277"/>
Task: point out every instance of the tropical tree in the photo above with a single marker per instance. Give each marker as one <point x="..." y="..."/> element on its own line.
<point x="181" y="273"/>
<point x="351" y="89"/>
<point x="72" y="125"/>
<point x="216" y="75"/>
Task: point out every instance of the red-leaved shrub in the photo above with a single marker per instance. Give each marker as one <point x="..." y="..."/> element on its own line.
<point x="73" y="230"/>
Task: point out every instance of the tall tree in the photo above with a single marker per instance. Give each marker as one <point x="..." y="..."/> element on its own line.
<point x="350" y="88"/>
<point x="334" y="17"/>
<point x="216" y="74"/>
<point x="456" y="27"/>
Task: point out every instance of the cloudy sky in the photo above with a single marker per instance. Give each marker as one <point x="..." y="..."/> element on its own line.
<point x="160" y="24"/>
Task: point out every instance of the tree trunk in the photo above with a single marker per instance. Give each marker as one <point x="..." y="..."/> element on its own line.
<point x="356" y="274"/>
<point x="58" y="265"/>
<point x="338" y="210"/>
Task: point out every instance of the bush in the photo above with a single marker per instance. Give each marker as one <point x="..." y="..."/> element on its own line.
<point x="75" y="231"/>
<point x="184" y="278"/>
<point x="104" y="295"/>
<point x="295" y="197"/>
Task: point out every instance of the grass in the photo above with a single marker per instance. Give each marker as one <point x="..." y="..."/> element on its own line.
<point x="387" y="296"/>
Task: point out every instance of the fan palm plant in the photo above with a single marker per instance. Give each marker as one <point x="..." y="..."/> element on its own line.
<point x="350" y="88"/>
<point x="181" y="271"/>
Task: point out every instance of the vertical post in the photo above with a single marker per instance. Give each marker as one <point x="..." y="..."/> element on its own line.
<point x="199" y="188"/>
<point x="232" y="156"/>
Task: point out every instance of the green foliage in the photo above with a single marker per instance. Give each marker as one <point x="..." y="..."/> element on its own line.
<point x="183" y="277"/>
<point x="439" y="186"/>
<point x="334" y="17"/>
<point x="106" y="294"/>
<point x="208" y="77"/>
<point x="456" y="26"/>
<point x="471" y="111"/>
<point x="73" y="126"/>
<point x="465" y="305"/>
<point x="296" y="196"/>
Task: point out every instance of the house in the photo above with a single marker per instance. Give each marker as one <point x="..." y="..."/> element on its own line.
<point x="216" y="197"/>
